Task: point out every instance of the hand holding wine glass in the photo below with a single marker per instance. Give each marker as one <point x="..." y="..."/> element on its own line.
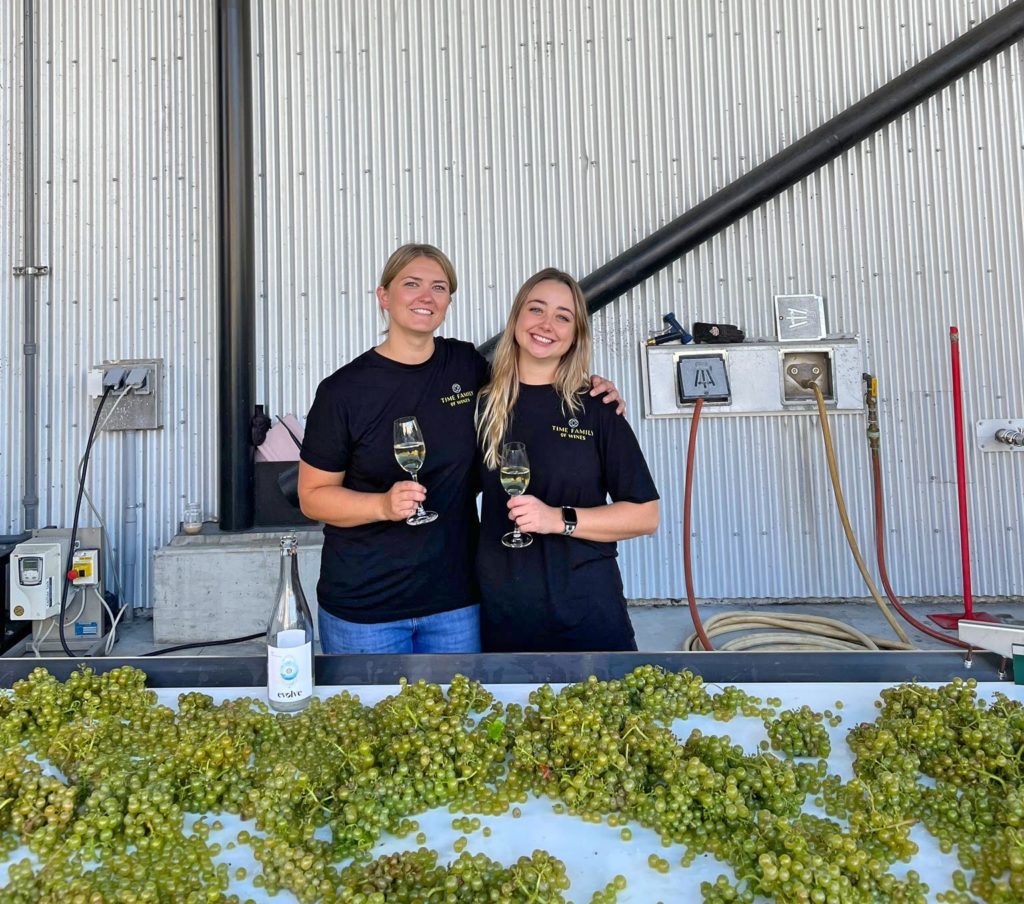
<point x="410" y="451"/>
<point x="515" y="478"/>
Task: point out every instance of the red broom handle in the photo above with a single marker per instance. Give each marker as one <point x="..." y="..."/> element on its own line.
<point x="961" y="471"/>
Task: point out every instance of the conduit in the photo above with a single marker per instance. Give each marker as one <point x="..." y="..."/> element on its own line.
<point x="30" y="497"/>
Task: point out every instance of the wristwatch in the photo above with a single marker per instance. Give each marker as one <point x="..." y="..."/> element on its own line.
<point x="569" y="520"/>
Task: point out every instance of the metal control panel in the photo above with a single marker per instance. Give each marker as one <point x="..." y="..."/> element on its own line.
<point x="750" y="378"/>
<point x="36" y="575"/>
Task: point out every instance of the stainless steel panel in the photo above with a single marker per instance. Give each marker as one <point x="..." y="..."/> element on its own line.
<point x="755" y="378"/>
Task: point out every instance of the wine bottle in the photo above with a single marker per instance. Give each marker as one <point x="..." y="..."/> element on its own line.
<point x="290" y="638"/>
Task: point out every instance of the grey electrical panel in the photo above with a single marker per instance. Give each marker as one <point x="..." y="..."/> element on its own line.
<point x="136" y="401"/>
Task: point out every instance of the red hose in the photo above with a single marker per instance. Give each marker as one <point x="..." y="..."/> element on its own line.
<point x="687" y="500"/>
<point x="876" y="478"/>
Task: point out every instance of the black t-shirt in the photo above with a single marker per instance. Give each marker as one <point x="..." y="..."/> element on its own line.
<point x="560" y="593"/>
<point x="390" y="570"/>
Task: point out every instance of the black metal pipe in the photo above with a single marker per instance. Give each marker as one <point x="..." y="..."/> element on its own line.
<point x="800" y="159"/>
<point x="236" y="263"/>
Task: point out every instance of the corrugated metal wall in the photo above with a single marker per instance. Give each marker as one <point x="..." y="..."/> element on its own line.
<point x="127" y="191"/>
<point x="516" y="135"/>
<point x="11" y="290"/>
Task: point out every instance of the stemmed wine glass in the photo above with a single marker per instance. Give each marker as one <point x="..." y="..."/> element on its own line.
<point x="410" y="450"/>
<point x="515" y="477"/>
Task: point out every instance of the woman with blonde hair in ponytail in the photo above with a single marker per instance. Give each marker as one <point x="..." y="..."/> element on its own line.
<point x="563" y="591"/>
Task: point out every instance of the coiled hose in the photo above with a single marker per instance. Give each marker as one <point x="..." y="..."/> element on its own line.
<point x="795" y="632"/>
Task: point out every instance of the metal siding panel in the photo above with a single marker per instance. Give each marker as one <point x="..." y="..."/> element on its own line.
<point x="128" y="174"/>
<point x="530" y="133"/>
<point x="11" y="289"/>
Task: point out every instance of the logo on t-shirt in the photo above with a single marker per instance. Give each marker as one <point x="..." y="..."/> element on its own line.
<point x="573" y="430"/>
<point x="458" y="397"/>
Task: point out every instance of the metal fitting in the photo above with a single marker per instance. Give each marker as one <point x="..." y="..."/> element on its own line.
<point x="1010" y="437"/>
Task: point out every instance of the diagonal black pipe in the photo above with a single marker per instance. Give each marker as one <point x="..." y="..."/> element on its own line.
<point x="236" y="387"/>
<point x="800" y="159"/>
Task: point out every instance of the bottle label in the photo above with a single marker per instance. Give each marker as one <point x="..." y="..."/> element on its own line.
<point x="289" y="667"/>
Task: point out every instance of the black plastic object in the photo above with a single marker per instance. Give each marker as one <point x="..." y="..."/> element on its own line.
<point x="716" y="333"/>
<point x="277" y="494"/>
<point x="260" y="425"/>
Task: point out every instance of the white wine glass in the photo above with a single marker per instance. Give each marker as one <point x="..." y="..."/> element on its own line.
<point x="410" y="450"/>
<point x="515" y="478"/>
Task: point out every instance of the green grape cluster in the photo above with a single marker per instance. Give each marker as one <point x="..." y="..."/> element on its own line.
<point x="610" y="893"/>
<point x="416" y="876"/>
<point x="732" y="700"/>
<point x="799" y="732"/>
<point x="952" y="761"/>
<point x="321" y="788"/>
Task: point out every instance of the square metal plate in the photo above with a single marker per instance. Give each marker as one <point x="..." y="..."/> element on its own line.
<point x="800" y="318"/>
<point x="703" y="377"/>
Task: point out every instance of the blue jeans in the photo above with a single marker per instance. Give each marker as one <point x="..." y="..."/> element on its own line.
<point x="456" y="631"/>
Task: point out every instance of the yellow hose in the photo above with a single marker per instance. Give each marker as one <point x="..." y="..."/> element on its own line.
<point x="794" y="631"/>
<point x="833" y="471"/>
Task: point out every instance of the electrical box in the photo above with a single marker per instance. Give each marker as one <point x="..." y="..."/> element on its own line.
<point x="85" y="624"/>
<point x="36" y="578"/>
<point x="752" y="378"/>
<point x="85" y="563"/>
<point x="135" y="400"/>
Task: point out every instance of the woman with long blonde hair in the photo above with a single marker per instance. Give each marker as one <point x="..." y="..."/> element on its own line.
<point x="393" y="580"/>
<point x="560" y="589"/>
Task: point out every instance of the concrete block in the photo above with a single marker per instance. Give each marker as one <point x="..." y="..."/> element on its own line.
<point x="214" y="585"/>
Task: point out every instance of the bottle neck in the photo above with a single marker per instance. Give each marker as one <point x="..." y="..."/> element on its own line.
<point x="289" y="563"/>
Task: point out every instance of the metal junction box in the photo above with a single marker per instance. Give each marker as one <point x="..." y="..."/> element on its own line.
<point x="36" y="578"/>
<point x="751" y="377"/>
<point x="137" y="402"/>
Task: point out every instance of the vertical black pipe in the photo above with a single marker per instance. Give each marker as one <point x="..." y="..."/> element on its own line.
<point x="30" y="347"/>
<point x="236" y="282"/>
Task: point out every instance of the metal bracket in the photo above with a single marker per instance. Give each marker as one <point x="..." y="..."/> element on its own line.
<point x="31" y="271"/>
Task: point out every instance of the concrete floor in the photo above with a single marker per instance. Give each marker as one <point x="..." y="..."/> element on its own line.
<point x="657" y="627"/>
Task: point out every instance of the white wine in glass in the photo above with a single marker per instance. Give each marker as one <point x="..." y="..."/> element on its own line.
<point x="410" y="450"/>
<point x="515" y="478"/>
